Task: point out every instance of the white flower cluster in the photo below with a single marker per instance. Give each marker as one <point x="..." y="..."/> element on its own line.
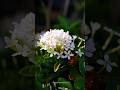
<point x="22" y="38"/>
<point x="57" y="42"/>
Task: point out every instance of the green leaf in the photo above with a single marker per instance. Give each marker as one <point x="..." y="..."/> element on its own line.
<point x="75" y="28"/>
<point x="79" y="83"/>
<point x="39" y="79"/>
<point x="63" y="21"/>
<point x="65" y="83"/>
<point x="72" y="26"/>
<point x="82" y="66"/>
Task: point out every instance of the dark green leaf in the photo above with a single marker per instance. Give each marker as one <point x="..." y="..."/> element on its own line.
<point x="65" y="83"/>
<point x="82" y="67"/>
<point x="79" y="83"/>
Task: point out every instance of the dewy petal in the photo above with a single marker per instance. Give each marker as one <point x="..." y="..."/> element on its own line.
<point x="108" y="68"/>
<point x="101" y="62"/>
<point x="114" y="64"/>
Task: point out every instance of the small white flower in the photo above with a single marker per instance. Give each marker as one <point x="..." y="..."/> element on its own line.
<point x="85" y="29"/>
<point x="90" y="47"/>
<point x="95" y="26"/>
<point x="107" y="63"/>
<point x="79" y="52"/>
<point x="74" y="37"/>
<point x="68" y="54"/>
<point x="60" y="55"/>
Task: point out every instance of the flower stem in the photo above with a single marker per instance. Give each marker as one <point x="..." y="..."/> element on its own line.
<point x="114" y="50"/>
<point x="79" y="43"/>
<point x="107" y="41"/>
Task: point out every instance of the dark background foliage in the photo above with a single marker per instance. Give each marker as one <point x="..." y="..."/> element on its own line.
<point x="10" y="78"/>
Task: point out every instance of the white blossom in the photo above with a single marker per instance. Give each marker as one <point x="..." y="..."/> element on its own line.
<point x="68" y="54"/>
<point x="79" y="52"/>
<point x="107" y="63"/>
<point x="22" y="37"/>
<point x="94" y="26"/>
<point x="57" y="42"/>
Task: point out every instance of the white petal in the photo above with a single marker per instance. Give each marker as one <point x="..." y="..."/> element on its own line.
<point x="68" y="57"/>
<point x="114" y="64"/>
<point x="101" y="62"/>
<point x="71" y="54"/>
<point x="15" y="54"/>
<point x="66" y="49"/>
<point x="64" y="56"/>
<point x="108" y="68"/>
<point x="88" y="54"/>
<point x="51" y="55"/>
<point x="58" y="56"/>
<point x="85" y="30"/>
<point x="89" y="67"/>
<point x="95" y="26"/>
<point x="106" y="57"/>
<point x="74" y="37"/>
